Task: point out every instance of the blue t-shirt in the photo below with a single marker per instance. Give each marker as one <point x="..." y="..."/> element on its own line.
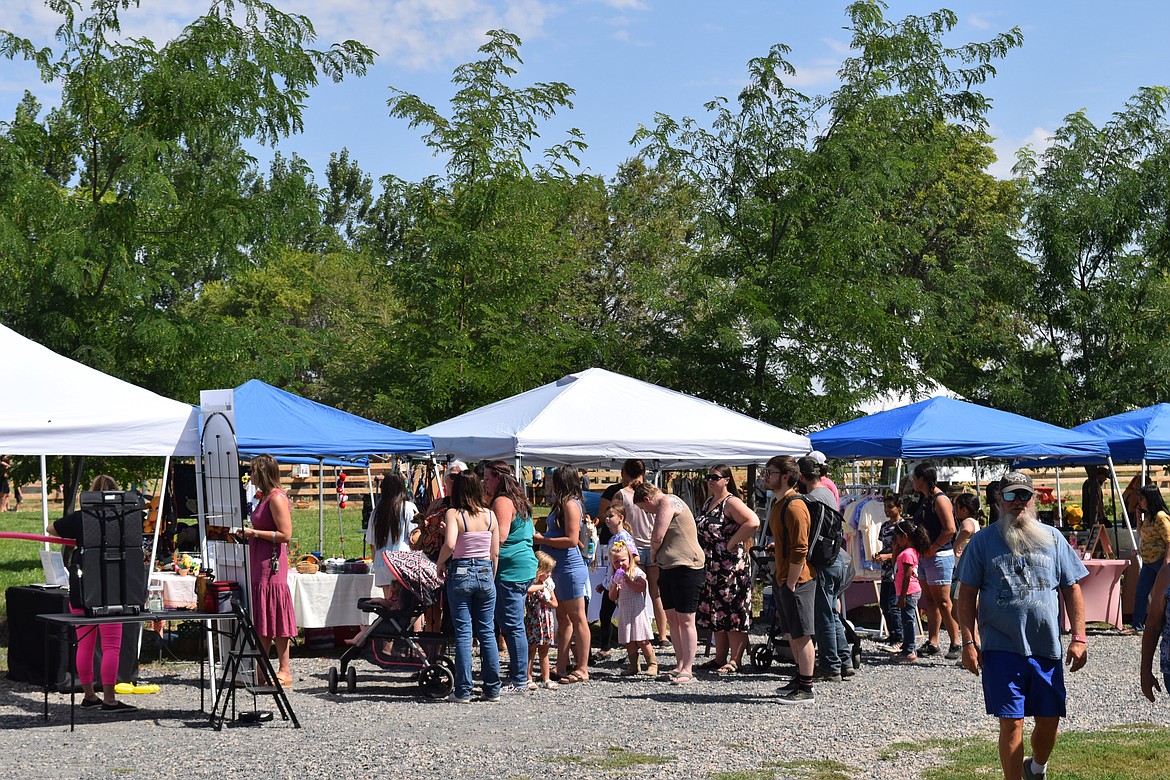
<point x="1019" y="610"/>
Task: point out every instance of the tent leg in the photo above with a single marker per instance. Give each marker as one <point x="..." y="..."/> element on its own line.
<point x="158" y="522"/>
<point x="45" y="498"/>
<point x="321" y="506"/>
<point x="1059" y="503"/>
<point x="1124" y="511"/>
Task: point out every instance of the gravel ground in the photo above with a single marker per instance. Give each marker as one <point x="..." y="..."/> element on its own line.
<point x="384" y="729"/>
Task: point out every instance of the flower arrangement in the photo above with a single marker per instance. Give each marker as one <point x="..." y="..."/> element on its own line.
<point x="185" y="563"/>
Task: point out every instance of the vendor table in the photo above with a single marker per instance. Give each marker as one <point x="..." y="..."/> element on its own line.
<point x="327" y="600"/>
<point x="28" y="660"/>
<point x="66" y="629"/>
<point x="1101" y="592"/>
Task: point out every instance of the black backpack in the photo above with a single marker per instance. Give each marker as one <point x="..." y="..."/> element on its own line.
<point x="826" y="532"/>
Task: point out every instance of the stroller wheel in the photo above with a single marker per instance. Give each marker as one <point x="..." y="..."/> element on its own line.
<point x="332" y="680"/>
<point x="436" y="681"/>
<point x="351" y="679"/>
<point x="761" y="658"/>
<point x="447" y="663"/>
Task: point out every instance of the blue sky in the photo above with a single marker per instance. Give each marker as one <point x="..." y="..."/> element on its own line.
<point x="628" y="59"/>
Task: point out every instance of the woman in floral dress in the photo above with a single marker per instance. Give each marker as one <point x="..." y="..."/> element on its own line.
<point x="725" y="525"/>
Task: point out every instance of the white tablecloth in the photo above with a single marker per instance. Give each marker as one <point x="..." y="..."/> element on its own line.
<point x="178" y="589"/>
<point x="325" y="600"/>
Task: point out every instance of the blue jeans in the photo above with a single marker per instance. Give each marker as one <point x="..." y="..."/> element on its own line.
<point x="471" y="595"/>
<point x="833" y="651"/>
<point x="1141" y="599"/>
<point x="889" y="605"/>
<point x="907" y="622"/>
<point x="510" y="618"/>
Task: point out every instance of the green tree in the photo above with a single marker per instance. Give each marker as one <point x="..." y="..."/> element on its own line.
<point x="827" y="226"/>
<point x="481" y="260"/>
<point x="156" y="208"/>
<point x="1093" y="303"/>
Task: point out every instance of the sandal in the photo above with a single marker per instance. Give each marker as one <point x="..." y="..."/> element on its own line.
<point x="573" y="677"/>
<point x="681" y="679"/>
<point x="728" y="668"/>
<point x="710" y="666"/>
<point x="652" y="670"/>
<point x="668" y="676"/>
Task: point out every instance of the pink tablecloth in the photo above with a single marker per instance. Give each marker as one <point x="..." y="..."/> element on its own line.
<point x="1101" y="591"/>
<point x="178" y="590"/>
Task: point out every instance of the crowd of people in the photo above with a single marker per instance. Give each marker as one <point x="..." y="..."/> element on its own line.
<point x="991" y="584"/>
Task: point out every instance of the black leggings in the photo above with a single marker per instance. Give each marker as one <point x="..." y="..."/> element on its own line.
<point x="608" y="629"/>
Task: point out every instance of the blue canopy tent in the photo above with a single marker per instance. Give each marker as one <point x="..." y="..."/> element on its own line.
<point x="949" y="428"/>
<point x="1140" y="436"/>
<point x="296" y="430"/>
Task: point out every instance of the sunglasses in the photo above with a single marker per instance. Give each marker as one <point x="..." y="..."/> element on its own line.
<point x="1017" y="495"/>
<point x="715" y="477"/>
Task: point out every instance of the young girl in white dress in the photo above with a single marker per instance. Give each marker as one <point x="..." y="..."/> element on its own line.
<point x="628" y="588"/>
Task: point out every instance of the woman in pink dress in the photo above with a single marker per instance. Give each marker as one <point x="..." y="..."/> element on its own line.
<point x="272" y="608"/>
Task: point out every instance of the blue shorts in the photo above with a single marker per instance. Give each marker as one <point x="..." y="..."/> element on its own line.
<point x="1017" y="686"/>
<point x="939" y="570"/>
<point x="645" y="558"/>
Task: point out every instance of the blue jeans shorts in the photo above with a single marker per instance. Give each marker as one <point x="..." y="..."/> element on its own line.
<point x="1019" y="686"/>
<point x="939" y="570"/>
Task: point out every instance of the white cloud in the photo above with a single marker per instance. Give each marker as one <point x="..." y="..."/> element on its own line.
<point x="838" y="47"/>
<point x="978" y="22"/>
<point x="626" y="5"/>
<point x="821" y="73"/>
<point x="1006" y="147"/>
<point x="621" y="35"/>
<point x="419" y="34"/>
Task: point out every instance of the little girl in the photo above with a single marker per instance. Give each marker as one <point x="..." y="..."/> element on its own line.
<point x="628" y="588"/>
<point x="619" y="529"/>
<point x="539" y="618"/>
<point x="910" y="541"/>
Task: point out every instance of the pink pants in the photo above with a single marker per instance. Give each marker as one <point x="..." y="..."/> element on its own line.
<point x="111" y="634"/>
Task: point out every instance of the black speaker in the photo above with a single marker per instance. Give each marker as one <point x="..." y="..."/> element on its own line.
<point x="107" y="575"/>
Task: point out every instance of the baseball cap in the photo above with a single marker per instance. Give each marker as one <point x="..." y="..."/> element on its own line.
<point x="1015" y="480"/>
<point x="818" y="456"/>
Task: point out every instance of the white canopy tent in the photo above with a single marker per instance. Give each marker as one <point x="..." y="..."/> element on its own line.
<point x="596" y="418"/>
<point x="61" y="407"/>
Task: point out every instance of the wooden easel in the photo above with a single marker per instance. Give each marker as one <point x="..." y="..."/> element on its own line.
<point x="1099" y="540"/>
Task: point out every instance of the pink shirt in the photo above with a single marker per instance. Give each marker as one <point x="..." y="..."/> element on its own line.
<point x="908" y="557"/>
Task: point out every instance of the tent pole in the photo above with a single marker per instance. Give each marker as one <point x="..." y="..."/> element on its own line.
<point x="340" y="524"/>
<point x="978" y="485"/>
<point x="45" y="498"/>
<point x="898" y="477"/>
<point x="1124" y="511"/>
<point x="158" y="521"/>
<point x="1059" y="503"/>
<point x="201" y="501"/>
<point x="321" y="505"/>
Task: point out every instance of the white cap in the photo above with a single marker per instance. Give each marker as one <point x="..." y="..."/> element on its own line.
<point x="818" y="456"/>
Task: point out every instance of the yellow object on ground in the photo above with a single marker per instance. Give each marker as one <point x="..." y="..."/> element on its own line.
<point x="126" y="688"/>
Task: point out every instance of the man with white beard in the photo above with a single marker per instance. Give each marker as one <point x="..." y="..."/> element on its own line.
<point x="1011" y="574"/>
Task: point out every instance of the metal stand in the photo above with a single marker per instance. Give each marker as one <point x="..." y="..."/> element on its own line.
<point x="247" y="652"/>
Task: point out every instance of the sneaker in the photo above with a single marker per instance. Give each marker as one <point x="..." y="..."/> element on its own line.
<point x="457" y="700"/>
<point x="847" y="671"/>
<point x="490" y="697"/>
<point x="513" y="689"/>
<point x="797" y="696"/>
<point x="89" y="704"/>
<point x="905" y="657"/>
<point x="929" y="649"/>
<point x="1029" y="774"/>
<point x="821" y="675"/>
<point x="119" y="707"/>
<point x="953" y="653"/>
<point x="788" y="687"/>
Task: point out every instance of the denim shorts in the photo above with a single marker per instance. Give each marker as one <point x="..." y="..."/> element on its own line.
<point x="939" y="570"/>
<point x="1020" y="686"/>
<point x="645" y="558"/>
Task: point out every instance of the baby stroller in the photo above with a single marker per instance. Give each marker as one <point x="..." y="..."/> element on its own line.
<point x="777" y="648"/>
<point x="391" y="642"/>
